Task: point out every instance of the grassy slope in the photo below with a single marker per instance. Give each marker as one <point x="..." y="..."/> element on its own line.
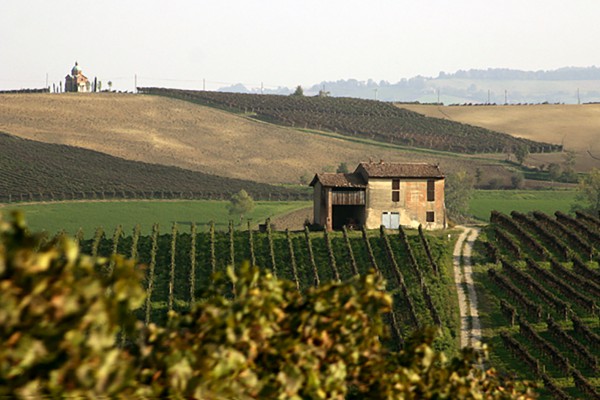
<point x="54" y="217"/>
<point x="89" y="215"/>
<point x="575" y="126"/>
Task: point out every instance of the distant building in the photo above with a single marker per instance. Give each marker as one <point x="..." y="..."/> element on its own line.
<point x="76" y="81"/>
<point x="388" y="194"/>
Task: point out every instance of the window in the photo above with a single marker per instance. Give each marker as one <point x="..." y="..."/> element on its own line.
<point x="395" y="190"/>
<point x="431" y="190"/>
<point x="430" y="216"/>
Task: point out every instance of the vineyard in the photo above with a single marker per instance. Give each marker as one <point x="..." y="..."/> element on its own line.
<point x="543" y="291"/>
<point x="363" y="118"/>
<point x="36" y="171"/>
<point x="181" y="260"/>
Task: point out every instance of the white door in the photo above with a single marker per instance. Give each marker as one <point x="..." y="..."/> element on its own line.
<point x="390" y="220"/>
<point x="394" y="220"/>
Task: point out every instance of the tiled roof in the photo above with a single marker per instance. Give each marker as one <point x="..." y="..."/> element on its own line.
<point x="401" y="170"/>
<point x="339" y="180"/>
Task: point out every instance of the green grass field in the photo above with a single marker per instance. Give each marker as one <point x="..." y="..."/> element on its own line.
<point x="54" y="217"/>
<point x="70" y="216"/>
<point x="547" y="201"/>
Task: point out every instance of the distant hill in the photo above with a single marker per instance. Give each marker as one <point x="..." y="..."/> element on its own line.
<point x="561" y="74"/>
<point x="35" y="171"/>
<point x="570" y="85"/>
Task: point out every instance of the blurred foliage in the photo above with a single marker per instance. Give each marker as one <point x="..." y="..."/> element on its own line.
<point x="61" y="314"/>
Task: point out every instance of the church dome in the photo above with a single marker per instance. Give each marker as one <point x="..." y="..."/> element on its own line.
<point x="76" y="70"/>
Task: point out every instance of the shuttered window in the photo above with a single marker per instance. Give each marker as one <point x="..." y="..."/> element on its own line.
<point x="431" y="190"/>
<point x="395" y="190"/>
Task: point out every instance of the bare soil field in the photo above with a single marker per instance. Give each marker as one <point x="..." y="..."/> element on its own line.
<point x="576" y="127"/>
<point x="171" y="132"/>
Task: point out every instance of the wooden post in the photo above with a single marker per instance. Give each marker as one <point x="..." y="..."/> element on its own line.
<point x="329" y="206"/>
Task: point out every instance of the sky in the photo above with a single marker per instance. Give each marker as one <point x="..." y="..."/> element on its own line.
<point x="211" y="44"/>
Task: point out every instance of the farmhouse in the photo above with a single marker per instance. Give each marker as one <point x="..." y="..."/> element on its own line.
<point x="388" y="194"/>
<point x="76" y="81"/>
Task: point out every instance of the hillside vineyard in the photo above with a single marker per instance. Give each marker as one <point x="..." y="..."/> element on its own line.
<point x="36" y="171"/>
<point x="181" y="262"/>
<point x="363" y="118"/>
<point x="545" y="283"/>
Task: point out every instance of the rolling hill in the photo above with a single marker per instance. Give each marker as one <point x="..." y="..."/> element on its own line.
<point x="577" y="127"/>
<point x="158" y="130"/>
<point x="375" y="120"/>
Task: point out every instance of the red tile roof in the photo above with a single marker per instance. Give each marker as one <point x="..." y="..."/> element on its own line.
<point x="339" y="180"/>
<point x="400" y="170"/>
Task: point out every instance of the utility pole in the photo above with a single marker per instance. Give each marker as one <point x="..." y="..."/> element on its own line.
<point x="438" y="96"/>
<point x="203" y="84"/>
<point x="375" y="90"/>
<point x="135" y="83"/>
<point x="505" y="97"/>
<point x="489" y="102"/>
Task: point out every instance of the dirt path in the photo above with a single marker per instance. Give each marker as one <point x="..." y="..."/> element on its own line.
<point x="470" y="326"/>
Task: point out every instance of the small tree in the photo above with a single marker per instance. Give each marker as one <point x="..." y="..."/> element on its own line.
<point x="342" y="168"/>
<point x="109" y="86"/>
<point x="459" y="190"/>
<point x="521" y="153"/>
<point x="554" y="171"/>
<point x="240" y="203"/>
<point x="568" y="173"/>
<point x="517" y="180"/>
<point x="589" y="191"/>
<point x="299" y="91"/>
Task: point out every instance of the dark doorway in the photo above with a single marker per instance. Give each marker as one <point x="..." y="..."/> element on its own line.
<point x="351" y="216"/>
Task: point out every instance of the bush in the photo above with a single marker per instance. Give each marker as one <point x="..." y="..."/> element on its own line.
<point x="59" y="317"/>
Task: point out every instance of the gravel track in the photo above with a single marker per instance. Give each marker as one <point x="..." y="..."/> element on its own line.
<point x="470" y="326"/>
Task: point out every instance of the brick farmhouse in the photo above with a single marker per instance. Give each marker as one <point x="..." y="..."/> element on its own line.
<point x="375" y="194"/>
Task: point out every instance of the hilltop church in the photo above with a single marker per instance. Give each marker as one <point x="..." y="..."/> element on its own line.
<point x="76" y="81"/>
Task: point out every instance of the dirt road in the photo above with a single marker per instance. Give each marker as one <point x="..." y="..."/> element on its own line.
<point x="470" y="326"/>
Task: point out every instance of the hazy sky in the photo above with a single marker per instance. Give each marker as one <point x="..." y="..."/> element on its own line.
<point x="286" y="43"/>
